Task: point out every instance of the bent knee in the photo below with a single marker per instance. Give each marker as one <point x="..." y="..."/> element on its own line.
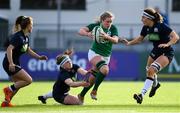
<point x="104" y="70"/>
<point x="28" y="81"/>
<point x="151" y="71"/>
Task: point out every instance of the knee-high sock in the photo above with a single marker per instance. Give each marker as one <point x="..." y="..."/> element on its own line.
<point x="147" y="85"/>
<point x="155" y="82"/>
<point x="48" y="95"/>
<point x="85" y="90"/>
<point x="99" y="78"/>
<point x="12" y="87"/>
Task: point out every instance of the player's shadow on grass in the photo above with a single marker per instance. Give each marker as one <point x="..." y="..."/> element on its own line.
<point x="101" y="106"/>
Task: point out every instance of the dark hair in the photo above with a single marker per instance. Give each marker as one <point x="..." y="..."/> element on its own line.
<point x="19" y="20"/>
<point x="25" y="22"/>
<point x="66" y="53"/>
<point x="60" y="58"/>
<point x="20" y="23"/>
<point x="17" y="26"/>
<point x="158" y="17"/>
<point x="15" y="29"/>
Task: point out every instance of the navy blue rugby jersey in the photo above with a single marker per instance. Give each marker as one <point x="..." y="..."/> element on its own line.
<point x="60" y="87"/>
<point x="20" y="43"/>
<point x="158" y="34"/>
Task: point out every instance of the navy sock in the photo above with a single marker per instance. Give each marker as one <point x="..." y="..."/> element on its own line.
<point x="13" y="87"/>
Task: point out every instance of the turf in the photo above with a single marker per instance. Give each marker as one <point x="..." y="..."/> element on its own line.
<point x="113" y="97"/>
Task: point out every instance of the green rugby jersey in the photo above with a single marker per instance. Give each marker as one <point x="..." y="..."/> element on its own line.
<point x="104" y="49"/>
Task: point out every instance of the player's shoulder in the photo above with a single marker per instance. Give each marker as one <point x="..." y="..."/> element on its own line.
<point x="15" y="37"/>
<point x="17" y="34"/>
<point x="75" y="66"/>
<point x="145" y="28"/>
<point x="161" y="25"/>
<point x="113" y="26"/>
<point x="63" y="73"/>
<point x="93" y="25"/>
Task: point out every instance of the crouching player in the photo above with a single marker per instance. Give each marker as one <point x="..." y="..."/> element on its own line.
<point x="65" y="80"/>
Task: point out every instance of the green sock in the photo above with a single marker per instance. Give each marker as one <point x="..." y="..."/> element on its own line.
<point x="85" y="90"/>
<point x="99" y="78"/>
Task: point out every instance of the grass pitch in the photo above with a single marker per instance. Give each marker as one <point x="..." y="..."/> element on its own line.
<point x="113" y="97"/>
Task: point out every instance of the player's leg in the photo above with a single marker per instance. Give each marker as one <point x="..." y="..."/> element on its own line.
<point x="93" y="59"/>
<point x="66" y="99"/>
<point x="101" y="64"/>
<point x="103" y="71"/>
<point x="153" y="55"/>
<point x="169" y="55"/>
<point x="161" y="62"/>
<point x="23" y="79"/>
<point x="9" y="91"/>
<point x="14" y="80"/>
<point x="147" y="84"/>
<point x="86" y="89"/>
<point x="149" y="62"/>
<point x="44" y="97"/>
<point x="6" y="103"/>
<point x="72" y="100"/>
<point x="164" y="60"/>
<point x="156" y="83"/>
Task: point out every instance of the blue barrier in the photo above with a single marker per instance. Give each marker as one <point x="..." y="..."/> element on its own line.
<point x="123" y="65"/>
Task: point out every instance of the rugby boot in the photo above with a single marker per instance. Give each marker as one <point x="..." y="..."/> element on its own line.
<point x="153" y="90"/>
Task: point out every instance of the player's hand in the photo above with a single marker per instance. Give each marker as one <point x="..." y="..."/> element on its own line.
<point x="89" y="34"/>
<point x="163" y="45"/>
<point x="89" y="71"/>
<point x="43" y="57"/>
<point x="123" y="40"/>
<point x="104" y="35"/>
<point x="128" y="43"/>
<point x="69" y="51"/>
<point x="85" y="84"/>
<point x="87" y="75"/>
<point x="12" y="67"/>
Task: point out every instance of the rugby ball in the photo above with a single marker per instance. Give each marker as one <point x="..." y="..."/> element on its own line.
<point x="96" y="32"/>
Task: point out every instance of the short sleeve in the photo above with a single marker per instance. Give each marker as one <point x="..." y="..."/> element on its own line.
<point x="91" y="26"/>
<point x="114" y="31"/>
<point x="76" y="67"/>
<point x="15" y="41"/>
<point x="165" y="29"/>
<point x="65" y="76"/>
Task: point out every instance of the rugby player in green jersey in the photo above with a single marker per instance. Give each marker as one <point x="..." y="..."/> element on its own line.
<point x="100" y="52"/>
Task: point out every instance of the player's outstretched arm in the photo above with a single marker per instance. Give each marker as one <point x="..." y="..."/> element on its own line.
<point x="35" y="55"/>
<point x="84" y="31"/>
<point x="71" y="83"/>
<point x="136" y="40"/>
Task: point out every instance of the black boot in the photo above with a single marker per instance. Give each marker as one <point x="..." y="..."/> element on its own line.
<point x="153" y="90"/>
<point x="138" y="98"/>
